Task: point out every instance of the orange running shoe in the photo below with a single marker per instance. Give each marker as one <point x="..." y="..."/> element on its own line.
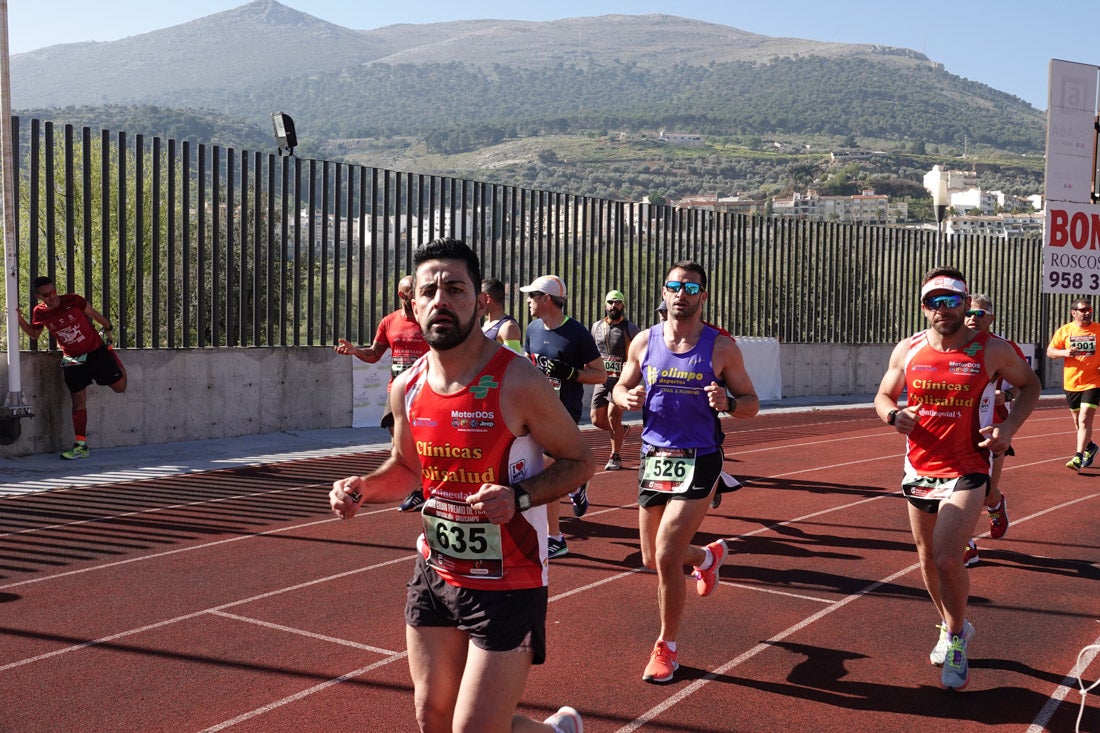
<point x="707" y="580"/>
<point x="662" y="664"/>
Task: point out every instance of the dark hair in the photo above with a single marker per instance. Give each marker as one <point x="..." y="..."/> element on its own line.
<point x="449" y="248"/>
<point x="40" y="281"/>
<point x="493" y="288"/>
<point x="944" y="272"/>
<point x="691" y="267"/>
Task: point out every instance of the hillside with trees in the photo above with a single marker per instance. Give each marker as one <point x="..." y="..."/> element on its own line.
<point x="581" y="113"/>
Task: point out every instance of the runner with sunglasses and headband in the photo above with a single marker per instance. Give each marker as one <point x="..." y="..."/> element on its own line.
<point x="980" y="317"/>
<point x="1076" y="343"/>
<point x="680" y="373"/>
<point x="950" y="372"/>
<point x="85" y="355"/>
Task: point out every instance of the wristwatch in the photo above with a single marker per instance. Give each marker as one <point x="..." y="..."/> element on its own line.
<point x="523" y="499"/>
<point x="892" y="417"/>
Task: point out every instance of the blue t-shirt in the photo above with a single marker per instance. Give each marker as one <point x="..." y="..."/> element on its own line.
<point x="570" y="342"/>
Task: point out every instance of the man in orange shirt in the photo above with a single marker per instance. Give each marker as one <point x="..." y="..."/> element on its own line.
<point x="1076" y="343"/>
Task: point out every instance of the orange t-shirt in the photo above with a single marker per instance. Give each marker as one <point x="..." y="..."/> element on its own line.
<point x="1079" y="372"/>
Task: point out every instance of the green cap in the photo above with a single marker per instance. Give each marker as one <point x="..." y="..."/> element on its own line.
<point x="615" y="295"/>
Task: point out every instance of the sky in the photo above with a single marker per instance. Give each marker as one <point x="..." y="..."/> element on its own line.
<point x="1006" y="45"/>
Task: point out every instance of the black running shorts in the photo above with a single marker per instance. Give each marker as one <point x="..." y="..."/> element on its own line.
<point x="496" y="620"/>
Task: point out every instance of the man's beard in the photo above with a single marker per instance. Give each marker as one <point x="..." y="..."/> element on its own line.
<point x="452" y="335"/>
<point x="947" y="328"/>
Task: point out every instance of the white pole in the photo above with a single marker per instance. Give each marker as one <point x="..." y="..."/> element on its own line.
<point x="7" y="173"/>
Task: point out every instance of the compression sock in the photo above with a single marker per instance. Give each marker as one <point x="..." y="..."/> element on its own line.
<point x="80" y="423"/>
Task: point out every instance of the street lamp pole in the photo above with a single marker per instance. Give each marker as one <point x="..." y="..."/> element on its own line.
<point x="13" y="407"/>
<point x="940" y="199"/>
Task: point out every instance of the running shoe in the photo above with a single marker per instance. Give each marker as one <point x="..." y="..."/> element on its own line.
<point x="939" y="652"/>
<point x="1090" y="453"/>
<point x="662" y="664"/>
<point x="998" y="519"/>
<point x="614" y="463"/>
<point x="412" y="501"/>
<point x="566" y="720"/>
<point x="580" y="500"/>
<point x="79" y="450"/>
<point x="956" y="669"/>
<point x="556" y="547"/>
<point x="1075" y="463"/>
<point x="707" y="580"/>
<point x="970" y="554"/>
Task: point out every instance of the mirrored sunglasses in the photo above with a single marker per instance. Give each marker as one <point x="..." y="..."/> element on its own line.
<point x="674" y="286"/>
<point x="935" y="302"/>
<point x="978" y="313"/>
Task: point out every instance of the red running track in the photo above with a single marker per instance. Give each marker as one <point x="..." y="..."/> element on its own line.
<point x="231" y="600"/>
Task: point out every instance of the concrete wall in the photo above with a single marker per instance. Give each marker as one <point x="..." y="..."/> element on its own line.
<point x="187" y="394"/>
<point x="196" y="394"/>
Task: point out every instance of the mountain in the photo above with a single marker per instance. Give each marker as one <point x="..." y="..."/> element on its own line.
<point x="461" y="86"/>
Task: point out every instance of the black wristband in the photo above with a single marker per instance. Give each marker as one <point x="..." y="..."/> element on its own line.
<point x="892" y="417"/>
<point x="732" y="400"/>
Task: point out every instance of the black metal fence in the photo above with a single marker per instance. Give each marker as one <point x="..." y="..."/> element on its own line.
<point x="189" y="245"/>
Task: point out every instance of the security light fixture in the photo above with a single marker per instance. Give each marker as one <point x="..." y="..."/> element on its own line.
<point x="284" y="133"/>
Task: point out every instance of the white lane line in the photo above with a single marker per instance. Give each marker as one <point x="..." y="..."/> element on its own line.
<point x="195" y="614"/>
<point x="192" y="548"/>
<point x="304" y="693"/>
<point x="698" y="684"/>
<point x="303" y="632"/>
<point x="763" y="646"/>
<point x="1070" y="681"/>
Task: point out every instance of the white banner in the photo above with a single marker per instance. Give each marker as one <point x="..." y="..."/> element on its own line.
<point x="1071" y="238"/>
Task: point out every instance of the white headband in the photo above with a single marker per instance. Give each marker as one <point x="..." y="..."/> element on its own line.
<point x="943" y="282"/>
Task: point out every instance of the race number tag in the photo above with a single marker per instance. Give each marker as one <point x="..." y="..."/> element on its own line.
<point x="461" y="540"/>
<point x="613" y="365"/>
<point x="1085" y="345"/>
<point x="670" y="470"/>
<point x="931" y="489"/>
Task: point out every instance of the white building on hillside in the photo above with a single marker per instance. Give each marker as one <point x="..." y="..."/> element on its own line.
<point x="867" y="208"/>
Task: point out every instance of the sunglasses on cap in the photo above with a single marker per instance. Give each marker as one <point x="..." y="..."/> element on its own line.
<point x="935" y="302"/>
<point x="674" y="286"/>
<point x="978" y="313"/>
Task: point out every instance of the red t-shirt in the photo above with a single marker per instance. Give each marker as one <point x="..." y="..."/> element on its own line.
<point x="404" y="339"/>
<point x="955" y="397"/>
<point x="462" y="442"/>
<point x="69" y="324"/>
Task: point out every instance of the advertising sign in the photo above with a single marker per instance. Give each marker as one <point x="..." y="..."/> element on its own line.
<point x="1071" y="237"/>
